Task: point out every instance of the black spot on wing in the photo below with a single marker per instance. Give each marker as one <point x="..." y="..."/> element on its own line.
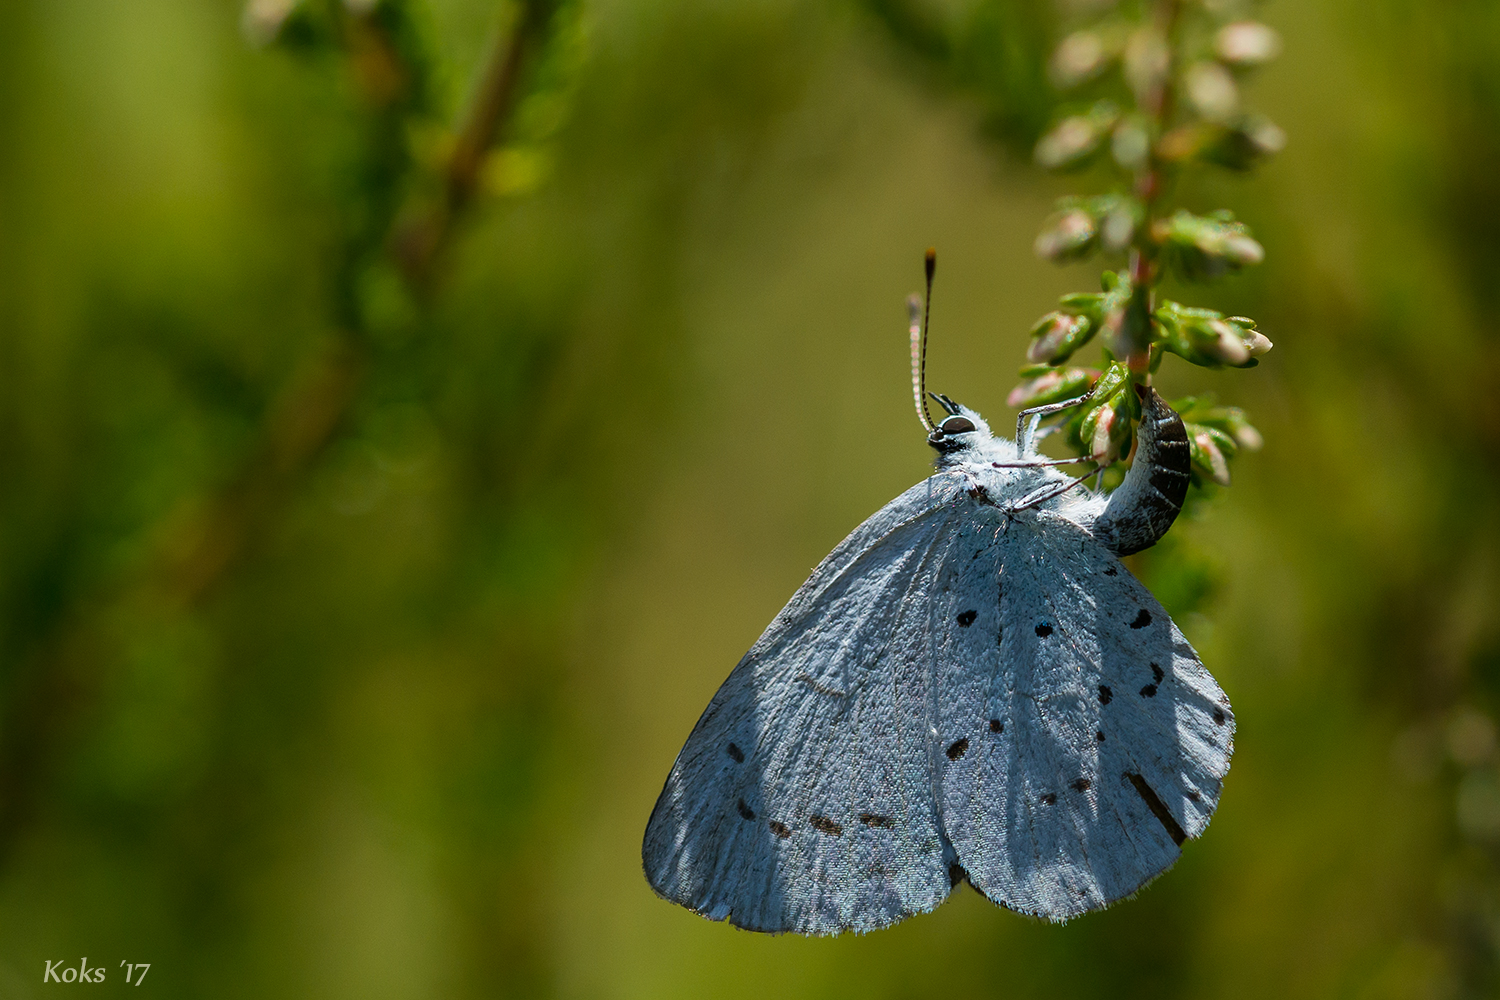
<point x="1141" y="620"/>
<point x="1158" y="808"/>
<point x="957" y="747"/>
<point x="996" y="726"/>
<point x="1149" y="691"/>
<point x="1081" y="785"/>
<point x="825" y="825"/>
<point x="1105" y="694"/>
<point x="967" y="618"/>
<point x="1049" y="799"/>
<point x="1219" y="716"/>
<point x="877" y="820"/>
<point x="745" y="811"/>
<point x="780" y="829"/>
<point x="736" y="753"/>
<point x="1099" y="736"/>
<point x="1043" y="630"/>
<point x="1111" y="571"/>
<point x="1156" y="674"/>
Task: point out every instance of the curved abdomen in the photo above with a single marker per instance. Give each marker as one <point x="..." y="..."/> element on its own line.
<point x="1149" y="500"/>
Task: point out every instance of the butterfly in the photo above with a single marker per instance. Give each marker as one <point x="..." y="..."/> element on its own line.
<point x="970" y="687"/>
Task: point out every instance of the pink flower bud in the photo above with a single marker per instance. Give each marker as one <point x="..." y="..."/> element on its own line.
<point x="1069" y="235"/>
<point x="1102" y="446"/>
<point x="1247" y="43"/>
<point x="1266" y="136"/>
<point x="1023" y="395"/>
<point x="1052" y="385"/>
<point x="261" y="20"/>
<point x="1248" y="437"/>
<point x="1211" y="90"/>
<point x="1257" y="343"/>
<point x="1242" y="251"/>
<point x="1131" y="144"/>
<point x="1072" y="141"/>
<point x="1118" y="228"/>
<point x="1080" y="56"/>
<point x="1210" y="458"/>
<point x="1057" y="335"/>
<point x="1225" y="344"/>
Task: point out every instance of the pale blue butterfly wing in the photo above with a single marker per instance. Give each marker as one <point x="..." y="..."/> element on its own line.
<point x="804" y="800"/>
<point x="1074" y="767"/>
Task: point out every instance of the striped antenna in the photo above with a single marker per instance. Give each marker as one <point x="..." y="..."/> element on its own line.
<point x="920" y="310"/>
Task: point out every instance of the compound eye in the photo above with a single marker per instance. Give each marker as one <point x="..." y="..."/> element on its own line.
<point x="956" y="425"/>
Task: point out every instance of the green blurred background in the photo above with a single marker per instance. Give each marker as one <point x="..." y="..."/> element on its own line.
<point x="356" y="598"/>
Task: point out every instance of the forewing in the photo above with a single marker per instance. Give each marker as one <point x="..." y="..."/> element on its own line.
<point x="804" y="800"/>
<point x="1095" y="739"/>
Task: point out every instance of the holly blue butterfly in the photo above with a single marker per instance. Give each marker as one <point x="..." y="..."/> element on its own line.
<point x="970" y="687"/>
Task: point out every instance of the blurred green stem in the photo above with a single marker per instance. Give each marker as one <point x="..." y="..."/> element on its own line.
<point x="1157" y="105"/>
<point x="315" y="406"/>
<point x="206" y="538"/>
<point x="418" y="246"/>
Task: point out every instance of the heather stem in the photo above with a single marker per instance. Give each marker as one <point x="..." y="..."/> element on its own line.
<point x="1157" y="104"/>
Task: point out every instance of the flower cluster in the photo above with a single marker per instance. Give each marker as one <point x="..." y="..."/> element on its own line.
<point x="1165" y="77"/>
<point x="1215" y="434"/>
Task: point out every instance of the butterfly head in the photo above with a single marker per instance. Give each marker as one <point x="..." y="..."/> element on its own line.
<point x="960" y="430"/>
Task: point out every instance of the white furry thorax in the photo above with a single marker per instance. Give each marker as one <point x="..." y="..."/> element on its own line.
<point x="983" y="458"/>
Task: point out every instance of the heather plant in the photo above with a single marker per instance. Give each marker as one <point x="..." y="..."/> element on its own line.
<point x="1155" y="90"/>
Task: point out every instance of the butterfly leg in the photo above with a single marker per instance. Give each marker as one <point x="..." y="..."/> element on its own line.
<point x="1040" y="462"/>
<point x="1048" y="492"/>
<point x="1026" y="432"/>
